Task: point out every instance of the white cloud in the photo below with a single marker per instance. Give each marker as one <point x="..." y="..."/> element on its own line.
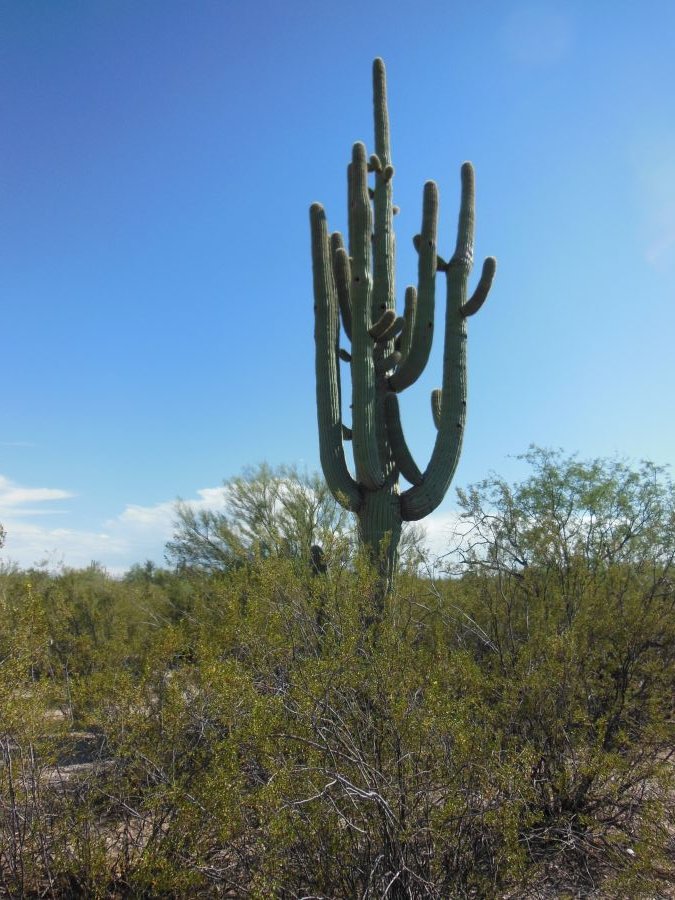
<point x="14" y="498"/>
<point x="137" y="533"/>
<point x="443" y="530"/>
<point x="30" y="544"/>
<point x="17" y="500"/>
<point x="157" y="520"/>
<point x="660" y="248"/>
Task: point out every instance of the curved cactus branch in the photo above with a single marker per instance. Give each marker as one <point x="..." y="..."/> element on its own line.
<point x="423" y="331"/>
<point x="387" y="363"/>
<point x="402" y="455"/>
<point x="479" y="296"/>
<point x="382" y="325"/>
<point x="326" y="334"/>
<point x="396" y="327"/>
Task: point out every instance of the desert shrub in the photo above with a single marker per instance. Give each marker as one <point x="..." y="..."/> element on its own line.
<point x="505" y="730"/>
<point x="265" y="512"/>
<point x="568" y="600"/>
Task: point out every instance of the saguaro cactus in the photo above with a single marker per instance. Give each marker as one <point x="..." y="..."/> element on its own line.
<point x="355" y="285"/>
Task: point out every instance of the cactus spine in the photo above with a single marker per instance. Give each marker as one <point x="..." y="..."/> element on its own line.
<point x="354" y="285"/>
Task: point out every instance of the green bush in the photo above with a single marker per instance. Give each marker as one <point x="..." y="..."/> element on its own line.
<point x="502" y="731"/>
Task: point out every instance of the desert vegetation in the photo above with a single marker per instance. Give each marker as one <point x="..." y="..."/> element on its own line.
<point x="248" y="729"/>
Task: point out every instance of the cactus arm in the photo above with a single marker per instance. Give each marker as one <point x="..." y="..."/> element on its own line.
<point x="342" y="271"/>
<point x="386" y="327"/>
<point x="394" y="327"/>
<point x="326" y="333"/>
<point x="382" y="325"/>
<point x="409" y="310"/>
<point x="386" y="363"/>
<point x="479" y="296"/>
<point x="383" y="243"/>
<point x="350" y="210"/>
<point x="423" y="329"/>
<point x="423" y="498"/>
<point x="382" y="153"/>
<point x="462" y="258"/>
<point x="399" y="448"/>
<point x="369" y="470"/>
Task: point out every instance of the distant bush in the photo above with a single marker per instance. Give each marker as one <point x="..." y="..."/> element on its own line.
<point x="266" y="512"/>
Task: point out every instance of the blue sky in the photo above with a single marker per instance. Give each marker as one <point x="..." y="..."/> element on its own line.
<point x="157" y="162"/>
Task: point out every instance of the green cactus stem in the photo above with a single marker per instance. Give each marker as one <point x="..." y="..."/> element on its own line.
<point x="355" y="288"/>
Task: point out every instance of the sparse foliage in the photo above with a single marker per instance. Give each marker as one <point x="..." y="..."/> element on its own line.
<point x="267" y="512"/>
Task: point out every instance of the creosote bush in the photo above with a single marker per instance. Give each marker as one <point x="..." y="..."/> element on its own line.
<point x="506" y="732"/>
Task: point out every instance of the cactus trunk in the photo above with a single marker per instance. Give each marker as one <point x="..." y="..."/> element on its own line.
<point x="354" y="286"/>
<point x="379" y="526"/>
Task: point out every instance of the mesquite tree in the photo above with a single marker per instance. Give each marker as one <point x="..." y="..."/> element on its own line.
<point x="354" y="285"/>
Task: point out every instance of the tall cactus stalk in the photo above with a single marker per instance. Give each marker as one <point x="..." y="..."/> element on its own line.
<point x="354" y="285"/>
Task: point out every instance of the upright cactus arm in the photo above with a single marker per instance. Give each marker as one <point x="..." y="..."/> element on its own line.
<point x="421" y="499"/>
<point x="326" y="334"/>
<point x="383" y="238"/>
<point x="409" y="310"/>
<point x="369" y="469"/>
<point x="350" y="210"/>
<point x="421" y="338"/>
<point x="343" y="275"/>
<point x="479" y="296"/>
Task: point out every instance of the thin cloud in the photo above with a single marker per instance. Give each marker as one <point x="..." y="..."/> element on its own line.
<point x="537" y="34"/>
<point x="160" y="517"/>
<point x="661" y="249"/>
<point x="14" y="497"/>
<point x="20" y="496"/>
<point x="136" y="534"/>
<point x="654" y="162"/>
<point x="31" y="544"/>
